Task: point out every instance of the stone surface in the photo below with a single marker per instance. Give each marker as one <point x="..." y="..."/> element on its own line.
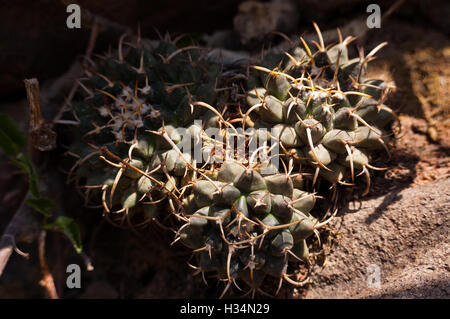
<point x="405" y="233"/>
<point x="255" y="20"/>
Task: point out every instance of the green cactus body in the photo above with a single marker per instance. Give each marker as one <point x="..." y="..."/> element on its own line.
<point x="322" y="109"/>
<point x="246" y="226"/>
<point x="124" y="104"/>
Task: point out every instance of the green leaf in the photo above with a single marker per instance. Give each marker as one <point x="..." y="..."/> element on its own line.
<point x="11" y="140"/>
<point x="68" y="227"/>
<point x="42" y="205"/>
<point x="7" y="145"/>
<point x="24" y="163"/>
<point x="11" y="136"/>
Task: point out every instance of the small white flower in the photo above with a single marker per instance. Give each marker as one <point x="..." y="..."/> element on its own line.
<point x="103" y="111"/>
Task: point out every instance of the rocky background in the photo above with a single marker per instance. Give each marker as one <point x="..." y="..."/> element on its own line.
<point x="402" y="226"/>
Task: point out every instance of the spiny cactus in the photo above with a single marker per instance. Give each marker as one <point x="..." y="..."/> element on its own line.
<point x="244" y="220"/>
<point x="123" y="100"/>
<point x="326" y="114"/>
<point x="247" y="222"/>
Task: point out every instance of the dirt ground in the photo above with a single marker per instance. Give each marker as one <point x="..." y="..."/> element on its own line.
<point x="402" y="225"/>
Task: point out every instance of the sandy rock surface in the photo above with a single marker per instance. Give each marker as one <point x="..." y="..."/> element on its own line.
<point x="405" y="233"/>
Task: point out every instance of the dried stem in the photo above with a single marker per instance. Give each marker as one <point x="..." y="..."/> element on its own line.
<point x="14" y="231"/>
<point x="42" y="136"/>
<point x="47" y="279"/>
<point x="33" y="96"/>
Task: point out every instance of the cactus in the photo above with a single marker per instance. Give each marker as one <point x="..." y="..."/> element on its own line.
<point x="125" y="101"/>
<point x="245" y="223"/>
<point x="137" y="115"/>
<point x="326" y="114"/>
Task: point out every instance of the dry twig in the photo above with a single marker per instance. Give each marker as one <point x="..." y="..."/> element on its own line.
<point x="47" y="279"/>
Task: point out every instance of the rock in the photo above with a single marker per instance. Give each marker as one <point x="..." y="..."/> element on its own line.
<point x="405" y="234"/>
<point x="255" y="20"/>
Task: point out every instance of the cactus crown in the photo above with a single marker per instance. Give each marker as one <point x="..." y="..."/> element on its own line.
<point x="328" y="116"/>
<point x="244" y="224"/>
<point x="123" y="97"/>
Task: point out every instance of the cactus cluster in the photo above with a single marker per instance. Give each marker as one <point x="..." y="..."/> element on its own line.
<point x="143" y="112"/>
<point x="325" y="113"/>
<point x="246" y="223"/>
<point x="122" y="98"/>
